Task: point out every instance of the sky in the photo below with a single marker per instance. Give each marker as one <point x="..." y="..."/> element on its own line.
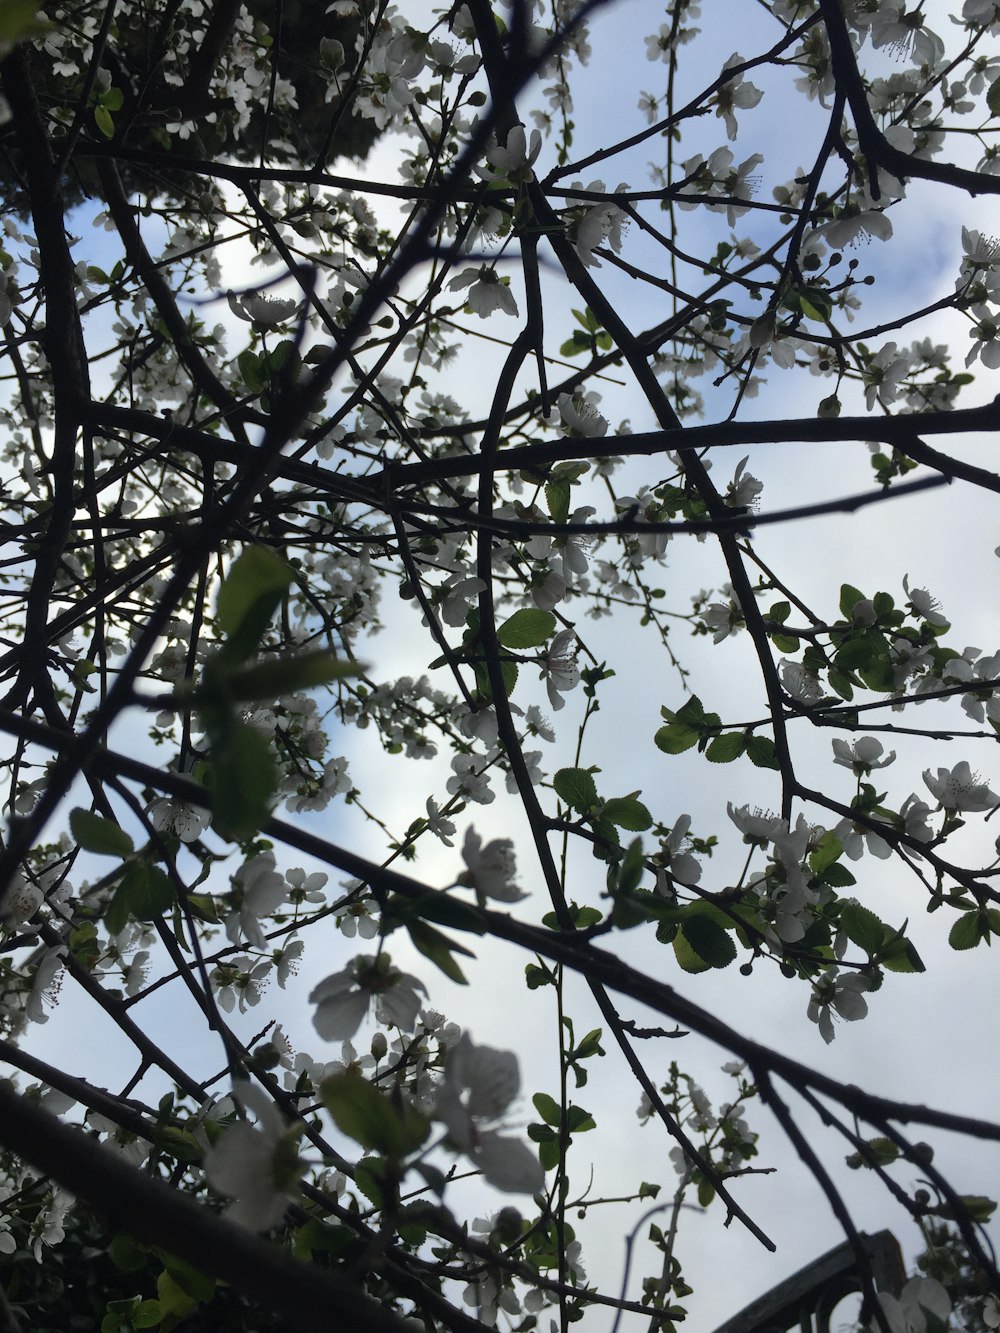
<point x="926" y="1038"/>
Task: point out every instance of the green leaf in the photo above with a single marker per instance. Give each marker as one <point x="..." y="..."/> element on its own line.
<point x="191" y="1280"/>
<point x="827" y="851"/>
<point x="126" y="1254"/>
<point x="271" y="679"/>
<point x="676" y="737"/>
<point x="631" y="870"/>
<point x="527" y="628"/>
<point x="18" y="22"/>
<point x="536" y="976"/>
<point x="369" y="1176"/>
<point x="250" y="368"/>
<point x="849" y="597"/>
<point x="975" y="1207"/>
<point x="841" y="684"/>
<point x="439" y="949"/>
<point x="687" y="958"/>
<point x="102" y="117"/>
<point x="785" y="643"/>
<point x="815" y="303"/>
<point x="727" y="747"/>
<point x="113" y="99"/>
<point x="557" y="498"/>
<point x="760" y="752"/>
<point x="443" y="908"/>
<point x="94" y="833"/>
<point x="993" y="97"/>
<point x="173" y="1300"/>
<point x="575" y="787"/>
<point x="366" y="1115"/>
<point x="627" y="813"/>
<point x="713" y="945"/>
<point x="243" y="776"/>
<point x="900" y="956"/>
<point x="548" y="1108"/>
<point x="876" y="1152"/>
<point x="967" y="931"/>
<point x="579" y="1121"/>
<point x="147" y="1314"/>
<point x="863" y="928"/>
<point x="252" y="592"/>
<point x="837" y="876"/>
<point x="143" y="893"/>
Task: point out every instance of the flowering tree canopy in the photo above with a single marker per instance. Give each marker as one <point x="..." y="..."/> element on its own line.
<point x="398" y="640"/>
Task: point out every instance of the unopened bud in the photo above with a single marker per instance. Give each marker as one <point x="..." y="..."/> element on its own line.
<point x="379" y="1046"/>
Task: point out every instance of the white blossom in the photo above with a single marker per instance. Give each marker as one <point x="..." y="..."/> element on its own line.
<point x="255" y="1165"/>
<point x="344" y="998"/>
<point x="478" y="1087"/>
<point x="491" y="869"/>
<point x="960" y="789"/>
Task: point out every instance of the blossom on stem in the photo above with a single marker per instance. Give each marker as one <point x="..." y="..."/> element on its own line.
<point x="922" y="1305"/>
<point x="344" y="998"/>
<point x="491" y="869"/>
<point x="478" y="1087"/>
<point x="264" y="311"/>
<point x="863" y="756"/>
<point x="487" y="291"/>
<point x="257" y="1166"/>
<point x="831" y="994"/>
<point x="922" y="604"/>
<point x="960" y="789"/>
<point x="560" y="667"/>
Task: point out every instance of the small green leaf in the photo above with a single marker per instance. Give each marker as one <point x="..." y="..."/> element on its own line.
<point x="548" y="1108"/>
<point x="143" y="893"/>
<point x="631" y="870"/>
<point x="579" y="1121"/>
<point x="713" y="945"/>
<point x="173" y="1300"/>
<point x="676" y="738"/>
<point x="147" y="1314"/>
<point x="785" y="643"/>
<point x="576" y="788"/>
<point x="727" y="747"/>
<point x="849" y="598"/>
<point x="439" y="949"/>
<point x="827" y="851"/>
<point x="250" y="368"/>
<point x="967" y="931"/>
<point x="900" y="956"/>
<point x="94" y="833"/>
<point x="841" y="684"/>
<point x="557" y="498"/>
<point x="527" y="628"/>
<point x="248" y="598"/>
<point x="18" y="22"/>
<point x="369" y="1176"/>
<point x="815" y="304"/>
<point x="271" y="679"/>
<point x="760" y="752"/>
<point x="993" y="97"/>
<point x="243" y="776"/>
<point x="837" y="876"/>
<point x="536" y="977"/>
<point x="366" y="1115"/>
<point x="627" y="813"/>
<point x="106" y="125"/>
<point x="863" y="928"/>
